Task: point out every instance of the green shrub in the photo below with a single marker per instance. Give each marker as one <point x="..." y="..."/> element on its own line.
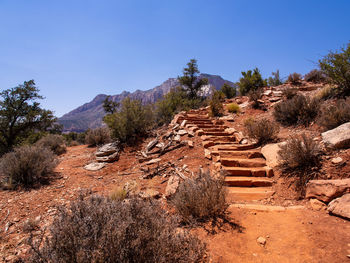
<point x="27" y="166"/>
<point x="251" y="80"/>
<point x="275" y="79"/>
<point x="53" y="142"/>
<point x="333" y="115"/>
<point x="315" y="76"/>
<point x="97" y="229"/>
<point x="289" y="93"/>
<point x="255" y="96"/>
<point x="216" y="107"/>
<point x="228" y="90"/>
<point x="132" y="121"/>
<point x="298" y="110"/>
<point x="294" y="79"/>
<point x="263" y="130"/>
<point x="98" y="136"/>
<point x="336" y="66"/>
<point x="233" y="108"/>
<point x="200" y="199"/>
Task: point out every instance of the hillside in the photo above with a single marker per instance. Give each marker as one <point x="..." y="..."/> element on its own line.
<point x="90" y="114"/>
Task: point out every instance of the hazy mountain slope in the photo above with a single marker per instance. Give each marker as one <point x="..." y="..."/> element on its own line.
<point x="90" y="114"/>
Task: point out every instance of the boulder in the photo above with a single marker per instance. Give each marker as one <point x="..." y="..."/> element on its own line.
<point x="182" y="132"/>
<point x="173" y="184"/>
<point x="107" y="149"/>
<point x="270" y="152"/>
<point x="94" y="166"/>
<point x="108" y="159"/>
<point x="340" y="206"/>
<point x="327" y="190"/>
<point x="338" y="137"/>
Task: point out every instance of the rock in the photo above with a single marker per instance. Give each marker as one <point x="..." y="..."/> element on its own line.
<point x="151" y="144"/>
<point x="277" y="93"/>
<point x="107" y="149"/>
<point x="267" y="93"/>
<point x="317" y="205"/>
<point x="190" y="144"/>
<point x="177" y="138"/>
<point x="337" y="160"/>
<point x="261" y="241"/>
<point x="176" y="126"/>
<point x="340" y="206"/>
<point x="207" y="154"/>
<point x="327" y="190"/>
<point x="199" y="132"/>
<point x="173" y="184"/>
<point x="270" y="152"/>
<point x="244" y="141"/>
<point x="239" y="136"/>
<point x="338" y="137"/>
<point x="94" y="166"/>
<point x="183" y="123"/>
<point x="191" y="133"/>
<point x="244" y="104"/>
<point x="182" y="132"/>
<point x="110" y="158"/>
<point x="227" y="118"/>
<point x="160" y="145"/>
<point x="149" y="194"/>
<point x="230" y="130"/>
<point x="153" y="161"/>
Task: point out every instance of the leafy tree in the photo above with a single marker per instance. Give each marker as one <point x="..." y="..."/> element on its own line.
<point x="131" y="121"/>
<point x="228" y="90"/>
<point x="110" y="106"/>
<point x="251" y="80"/>
<point x="336" y="66"/>
<point x="21" y="115"/>
<point x="275" y="79"/>
<point x="190" y="79"/>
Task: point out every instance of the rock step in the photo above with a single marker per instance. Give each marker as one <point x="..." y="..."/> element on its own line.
<point x="234" y="147"/>
<point x="235" y="194"/>
<point x="244" y="181"/>
<point x="220" y="141"/>
<point x="218" y="138"/>
<point x="238" y="154"/>
<point x="234" y="162"/>
<point x="214" y="133"/>
<point x="248" y="171"/>
<point x="213" y="129"/>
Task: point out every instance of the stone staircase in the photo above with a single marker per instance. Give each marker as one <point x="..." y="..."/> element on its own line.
<point x="247" y="177"/>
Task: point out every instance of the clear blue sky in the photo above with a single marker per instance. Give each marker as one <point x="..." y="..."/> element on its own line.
<point x="76" y="49"/>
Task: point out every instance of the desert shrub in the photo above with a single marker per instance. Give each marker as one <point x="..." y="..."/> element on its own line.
<point x="215" y="104"/>
<point x="200" y="199"/>
<point x="299" y="152"/>
<point x="294" y="78"/>
<point x="131" y="122"/>
<point x="263" y="130"/>
<point x="98" y="136"/>
<point x="118" y="193"/>
<point x="74" y="143"/>
<point x="27" y="166"/>
<point x="315" y="76"/>
<point x="298" y="110"/>
<point x="30" y="225"/>
<point x="333" y="115"/>
<point x="228" y="90"/>
<point x="233" y="108"/>
<point x="53" y="142"/>
<point x="336" y="66"/>
<point x="255" y="96"/>
<point x="251" y="80"/>
<point x="289" y="93"/>
<point x="275" y="79"/>
<point x="98" y="229"/>
<point x="326" y="92"/>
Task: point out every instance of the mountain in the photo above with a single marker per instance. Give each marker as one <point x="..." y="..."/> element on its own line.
<point x="90" y="114"/>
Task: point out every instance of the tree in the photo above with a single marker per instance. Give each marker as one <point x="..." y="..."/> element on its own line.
<point x="190" y="79"/>
<point x="21" y="115"/>
<point x="110" y="106"/>
<point x="251" y="80"/>
<point x="275" y="79"/>
<point x="336" y="66"/>
<point x="228" y="90"/>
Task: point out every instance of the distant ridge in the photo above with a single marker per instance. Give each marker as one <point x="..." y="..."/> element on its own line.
<point x="90" y="114"/>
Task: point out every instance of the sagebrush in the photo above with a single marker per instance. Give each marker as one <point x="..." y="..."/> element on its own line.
<point x="27" y="166"/>
<point x="98" y="136"/>
<point x="53" y="142"/>
<point x="255" y="96"/>
<point x="315" y="76"/>
<point x="215" y="104"/>
<point x="289" y="93"/>
<point x="262" y="130"/>
<point x="333" y="115"/>
<point x="294" y="78"/>
<point x="98" y="229"/>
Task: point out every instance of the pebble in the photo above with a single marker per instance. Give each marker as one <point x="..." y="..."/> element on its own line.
<point x="337" y="160"/>
<point x="261" y="241"/>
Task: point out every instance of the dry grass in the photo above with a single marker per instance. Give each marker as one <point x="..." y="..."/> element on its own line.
<point x="263" y="130"/>
<point x="333" y="115"/>
<point x="233" y="108"/>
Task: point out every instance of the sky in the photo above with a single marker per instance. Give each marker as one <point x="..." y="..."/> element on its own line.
<point x="76" y="49"/>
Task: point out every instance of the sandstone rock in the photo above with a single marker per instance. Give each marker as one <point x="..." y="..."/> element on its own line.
<point x="337" y="160"/>
<point x="107" y="149"/>
<point x="199" y="132"/>
<point x="160" y="145"/>
<point x="244" y="104"/>
<point x="151" y="144"/>
<point x="270" y="152"/>
<point x="207" y="154"/>
<point x="230" y="130"/>
<point x="191" y="133"/>
<point x="227" y="118"/>
<point x="340" y="206"/>
<point x="177" y="138"/>
<point x="317" y="205"/>
<point x="244" y="141"/>
<point x="110" y="158"/>
<point x="149" y="194"/>
<point x="94" y="166"/>
<point x="338" y="137"/>
<point x="261" y="241"/>
<point x="183" y="123"/>
<point x="190" y="144"/>
<point x="153" y="161"/>
<point x="327" y="190"/>
<point x="182" y="132"/>
<point x="173" y="184"/>
<point x="176" y="126"/>
<point x="267" y="93"/>
<point x="277" y="93"/>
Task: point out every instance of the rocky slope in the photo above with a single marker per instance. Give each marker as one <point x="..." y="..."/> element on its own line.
<point x="90" y="114"/>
